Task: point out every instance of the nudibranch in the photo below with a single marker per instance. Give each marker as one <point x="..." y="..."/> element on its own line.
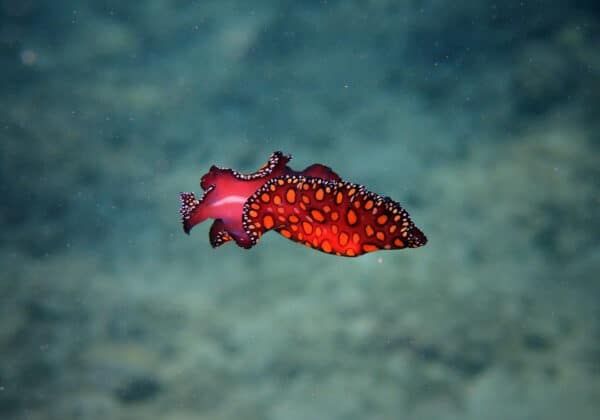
<point x="314" y="207"/>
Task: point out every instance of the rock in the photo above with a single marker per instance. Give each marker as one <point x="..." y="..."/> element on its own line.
<point x="138" y="389"/>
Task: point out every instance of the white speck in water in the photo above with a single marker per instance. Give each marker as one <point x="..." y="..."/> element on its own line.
<point x="28" y="57"/>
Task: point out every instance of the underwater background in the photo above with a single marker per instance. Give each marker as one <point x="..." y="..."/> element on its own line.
<point x="480" y="117"/>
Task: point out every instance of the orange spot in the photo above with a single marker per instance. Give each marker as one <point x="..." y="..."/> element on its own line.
<point x="317" y="215"/>
<point x="351" y="192"/>
<point x="398" y="242"/>
<point x="357" y="204"/>
<point x="294" y="227"/>
<point x="380" y="235"/>
<point x="318" y="231"/>
<point x="396" y="218"/>
<point x="339" y="197"/>
<point x="306" y="199"/>
<point x="350" y="252"/>
<point x="305" y="187"/>
<point x="303" y="206"/>
<point x="308" y="244"/>
<point x="290" y="196"/>
<point x="293" y="218"/>
<point x="326" y="246"/>
<point x="382" y="219"/>
<point x="351" y="217"/>
<point x="369" y="230"/>
<point x="281" y="218"/>
<point x="268" y="221"/>
<point x="369" y="205"/>
<point x="315" y="242"/>
<point x="277" y="200"/>
<point x="300" y="236"/>
<point x="265" y="197"/>
<point x="334" y="215"/>
<point x="286" y="233"/>
<point x="355" y="238"/>
<point x="319" y="194"/>
<point x="255" y="206"/>
<point x="343" y="239"/>
<point x="326" y="209"/>
<point x="307" y="227"/>
<point x="272" y="187"/>
<point x="280" y="210"/>
<point x="393" y="228"/>
<point x="253" y="213"/>
<point x="280" y="181"/>
<point x="369" y="247"/>
<point x="334" y="229"/>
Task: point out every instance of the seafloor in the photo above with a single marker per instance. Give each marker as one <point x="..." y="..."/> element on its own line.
<point x="480" y="117"/>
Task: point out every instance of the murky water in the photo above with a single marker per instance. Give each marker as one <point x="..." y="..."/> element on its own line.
<point x="479" y="118"/>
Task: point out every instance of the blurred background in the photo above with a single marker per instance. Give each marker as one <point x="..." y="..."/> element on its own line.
<point x="481" y="118"/>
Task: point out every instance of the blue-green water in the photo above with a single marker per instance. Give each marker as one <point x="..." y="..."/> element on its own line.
<point x="481" y="118"/>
